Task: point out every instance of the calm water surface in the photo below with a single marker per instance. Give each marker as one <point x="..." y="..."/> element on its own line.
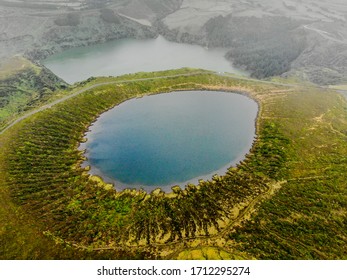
<point x="173" y="138"/>
<point x="130" y="56"/>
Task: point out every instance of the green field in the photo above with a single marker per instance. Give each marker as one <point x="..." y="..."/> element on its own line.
<point x="286" y="200"/>
<point x="23" y="87"/>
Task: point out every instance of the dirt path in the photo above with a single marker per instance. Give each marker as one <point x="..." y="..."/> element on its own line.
<point x="49" y="105"/>
<point x="178" y="245"/>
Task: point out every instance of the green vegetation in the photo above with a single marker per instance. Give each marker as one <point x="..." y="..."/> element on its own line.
<point x="307" y="219"/>
<point x="24" y="86"/>
<point x="263" y="46"/>
<point x="285" y="200"/>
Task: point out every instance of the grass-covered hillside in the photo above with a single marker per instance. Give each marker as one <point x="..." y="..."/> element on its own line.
<point x="23" y="86"/>
<point x="286" y="200"/>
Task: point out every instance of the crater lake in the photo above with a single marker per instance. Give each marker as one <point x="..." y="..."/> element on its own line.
<point x="170" y="139"/>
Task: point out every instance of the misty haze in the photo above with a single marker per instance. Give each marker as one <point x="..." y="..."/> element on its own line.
<point x="111" y="147"/>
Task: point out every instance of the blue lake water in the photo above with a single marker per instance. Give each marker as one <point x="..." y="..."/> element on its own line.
<point x="171" y="139"/>
<point x="125" y="56"/>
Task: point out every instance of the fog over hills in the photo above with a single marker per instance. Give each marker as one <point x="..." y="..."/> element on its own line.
<point x="278" y="193"/>
<point x="302" y="38"/>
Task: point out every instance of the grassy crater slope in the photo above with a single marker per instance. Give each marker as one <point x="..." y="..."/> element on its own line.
<point x="23" y="86"/>
<point x="286" y="200"/>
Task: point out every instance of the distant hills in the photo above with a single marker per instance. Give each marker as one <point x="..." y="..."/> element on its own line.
<point x="298" y="38"/>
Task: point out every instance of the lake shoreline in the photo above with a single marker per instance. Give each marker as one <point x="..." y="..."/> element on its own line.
<point x="124" y="56"/>
<point x="94" y="171"/>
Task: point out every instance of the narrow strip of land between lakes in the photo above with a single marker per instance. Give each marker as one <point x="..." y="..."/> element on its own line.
<point x="49" y="105"/>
